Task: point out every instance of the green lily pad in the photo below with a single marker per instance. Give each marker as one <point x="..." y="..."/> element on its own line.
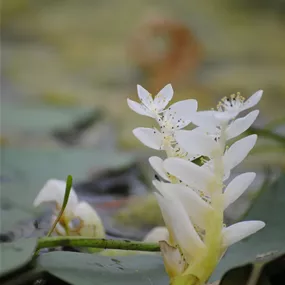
<point x="16" y="255"/>
<point x="89" y="269"/>
<point x="29" y="118"/>
<point x="268" y="207"/>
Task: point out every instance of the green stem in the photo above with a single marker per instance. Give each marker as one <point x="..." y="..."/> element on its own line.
<point x="65" y="201"/>
<point x="267" y="134"/>
<point x="76" y="241"/>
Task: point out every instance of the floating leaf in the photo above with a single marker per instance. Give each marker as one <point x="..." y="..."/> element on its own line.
<point x="17" y="254"/>
<point x="89" y="269"/>
<point x="39" y="118"/>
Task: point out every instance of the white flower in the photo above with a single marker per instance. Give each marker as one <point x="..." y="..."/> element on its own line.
<point x="148" y="106"/>
<point x="202" y="144"/>
<point x="53" y="191"/>
<point x="175" y="117"/>
<point x="198" y="177"/>
<point x="236" y="103"/>
<point x="78" y="218"/>
<point x="228" y="109"/>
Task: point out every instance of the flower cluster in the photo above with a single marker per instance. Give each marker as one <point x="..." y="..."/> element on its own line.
<point x="78" y="218"/>
<point x="192" y="197"/>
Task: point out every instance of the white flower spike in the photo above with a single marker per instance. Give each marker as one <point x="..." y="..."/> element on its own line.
<point x="78" y="218"/>
<point x="193" y="197"/>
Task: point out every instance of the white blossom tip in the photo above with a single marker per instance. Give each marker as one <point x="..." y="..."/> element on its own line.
<point x="239" y="231"/>
<point x="157" y="164"/>
<point x="237" y="187"/>
<point x="239" y="151"/>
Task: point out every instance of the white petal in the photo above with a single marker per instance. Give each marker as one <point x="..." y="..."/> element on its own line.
<point x="53" y="191"/>
<point x="180" y="226"/>
<point x="149" y="137"/>
<point x="180" y="114"/>
<point x="237" y="187"/>
<point x="195" y="176"/>
<point x="239" y="126"/>
<point x="144" y="96"/>
<point x="157" y="234"/>
<point x="252" y="101"/>
<point x="239" y="231"/>
<point x="92" y="223"/>
<point x="206" y="120"/>
<point x="238" y="151"/>
<point x="157" y="164"/>
<point x="196" y="143"/>
<point x="140" y="109"/>
<point x="163" y="97"/>
<point x="173" y="261"/>
<point x="195" y="206"/>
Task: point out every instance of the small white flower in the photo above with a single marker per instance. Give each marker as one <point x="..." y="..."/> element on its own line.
<point x="206" y="145"/>
<point x="232" y="130"/>
<point x="78" y="218"/>
<point x="174" y="118"/>
<point x="53" y="191"/>
<point x="228" y="109"/>
<point x="151" y="107"/>
<point x="236" y="103"/>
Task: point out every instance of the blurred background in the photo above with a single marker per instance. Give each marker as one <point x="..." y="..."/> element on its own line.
<point x="67" y="68"/>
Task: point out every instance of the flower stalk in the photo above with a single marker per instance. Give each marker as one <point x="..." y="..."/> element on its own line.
<point x="68" y="188"/>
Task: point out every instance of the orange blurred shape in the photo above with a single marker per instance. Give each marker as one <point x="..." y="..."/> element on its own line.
<point x="176" y="63"/>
